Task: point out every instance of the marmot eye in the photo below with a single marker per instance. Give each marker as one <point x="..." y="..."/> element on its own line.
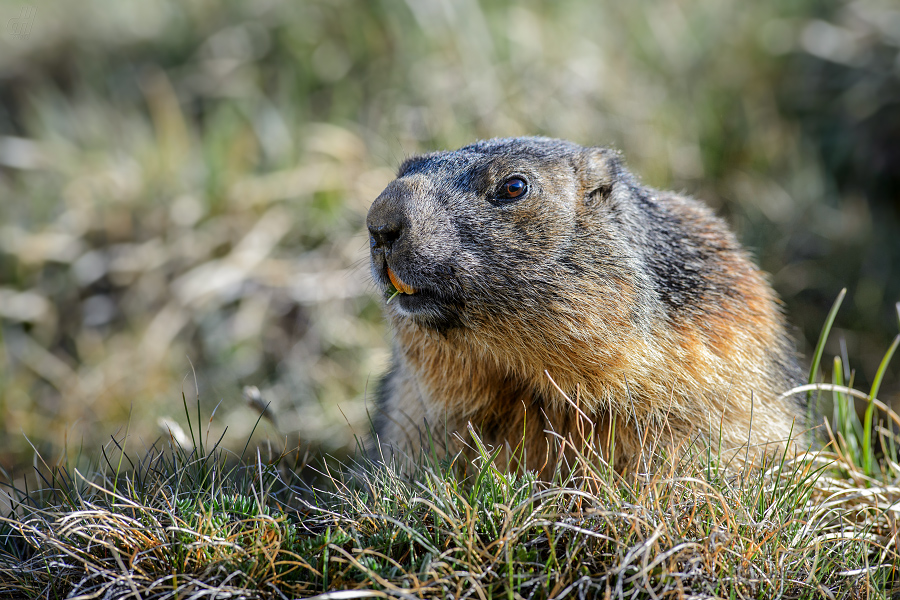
<point x="512" y="188"/>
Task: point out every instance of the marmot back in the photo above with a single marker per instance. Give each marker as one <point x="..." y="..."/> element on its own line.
<point x="523" y="264"/>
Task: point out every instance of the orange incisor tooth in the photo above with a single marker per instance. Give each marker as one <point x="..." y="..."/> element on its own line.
<point x="402" y="287"/>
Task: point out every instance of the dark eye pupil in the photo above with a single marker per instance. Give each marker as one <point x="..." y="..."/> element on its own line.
<point x="514" y="188"/>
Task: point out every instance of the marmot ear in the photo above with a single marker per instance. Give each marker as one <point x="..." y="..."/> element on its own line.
<point x="597" y="172"/>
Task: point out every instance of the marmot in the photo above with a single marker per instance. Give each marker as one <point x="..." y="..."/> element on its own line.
<point x="520" y="265"/>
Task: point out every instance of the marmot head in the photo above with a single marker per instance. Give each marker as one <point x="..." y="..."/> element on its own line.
<point x="486" y="231"/>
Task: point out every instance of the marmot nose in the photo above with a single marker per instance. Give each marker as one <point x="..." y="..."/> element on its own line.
<point x="384" y="233"/>
<point x="386" y="220"/>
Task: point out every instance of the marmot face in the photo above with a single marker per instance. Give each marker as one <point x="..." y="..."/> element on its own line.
<point x="470" y="235"/>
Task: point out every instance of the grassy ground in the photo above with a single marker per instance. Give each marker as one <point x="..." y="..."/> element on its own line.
<point x="191" y="521"/>
<point x="183" y="186"/>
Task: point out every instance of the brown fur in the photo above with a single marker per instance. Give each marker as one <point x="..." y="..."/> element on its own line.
<point x="639" y="305"/>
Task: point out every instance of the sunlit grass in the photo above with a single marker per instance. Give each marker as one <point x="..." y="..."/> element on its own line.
<point x="199" y="522"/>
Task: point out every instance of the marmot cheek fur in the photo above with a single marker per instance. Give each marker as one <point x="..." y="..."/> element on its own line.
<point x="520" y="258"/>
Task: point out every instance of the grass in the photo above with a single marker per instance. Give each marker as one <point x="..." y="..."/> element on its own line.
<point x="196" y="521"/>
<point x="192" y="180"/>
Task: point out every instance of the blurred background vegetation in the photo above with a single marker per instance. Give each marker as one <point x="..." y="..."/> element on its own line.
<point x="183" y="184"/>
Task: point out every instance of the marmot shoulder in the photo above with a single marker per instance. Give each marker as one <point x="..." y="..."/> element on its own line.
<point x="521" y="268"/>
